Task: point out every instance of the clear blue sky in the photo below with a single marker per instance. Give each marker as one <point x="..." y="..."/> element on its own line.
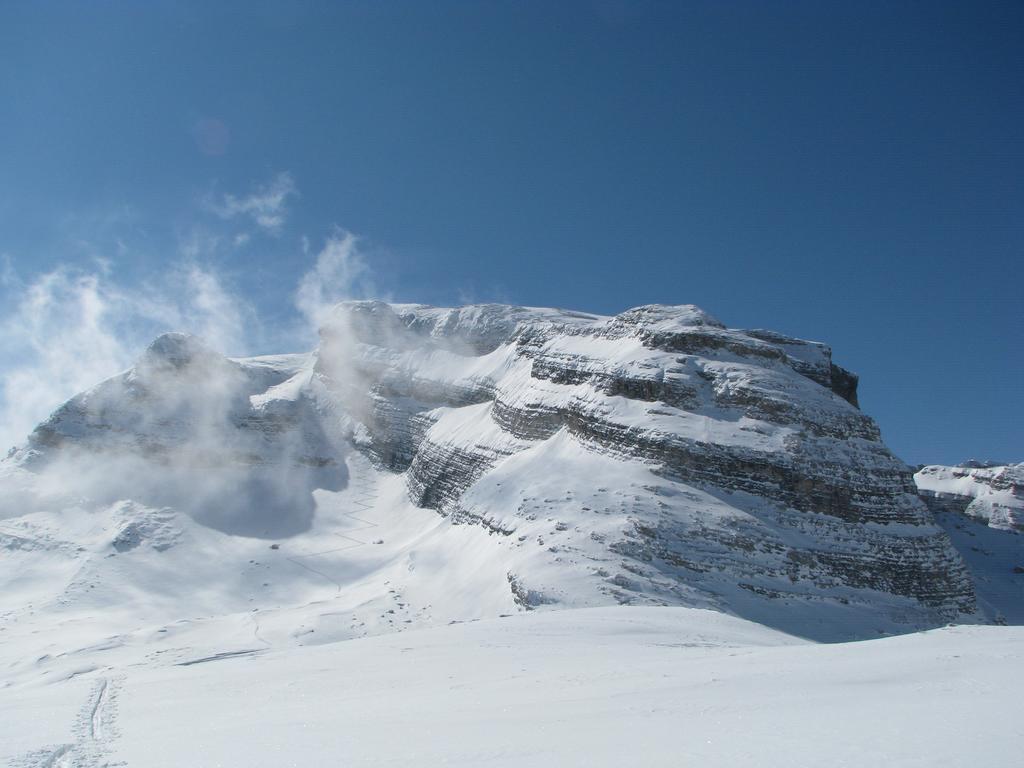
<point x="849" y="172"/>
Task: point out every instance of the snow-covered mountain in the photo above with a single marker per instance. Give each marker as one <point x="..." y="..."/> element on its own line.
<point x="981" y="506"/>
<point x="426" y="467"/>
<point x="991" y="493"/>
<point x="656" y="457"/>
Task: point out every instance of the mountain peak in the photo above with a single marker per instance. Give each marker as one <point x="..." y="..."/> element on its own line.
<point x="177" y="350"/>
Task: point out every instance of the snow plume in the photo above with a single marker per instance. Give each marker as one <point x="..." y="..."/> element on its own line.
<point x="231" y="443"/>
<point x="341" y="272"/>
<point x="180" y="429"/>
<point x="212" y="312"/>
<point x="70" y="328"/>
<point x="267" y="206"/>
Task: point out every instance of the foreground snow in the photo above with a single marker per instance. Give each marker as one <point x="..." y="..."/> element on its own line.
<point x="594" y="687"/>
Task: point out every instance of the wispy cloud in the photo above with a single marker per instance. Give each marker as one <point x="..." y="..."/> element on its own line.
<point x="341" y="272"/>
<point x="266" y="206"/>
<point x="71" y="328"/>
<point x="64" y="331"/>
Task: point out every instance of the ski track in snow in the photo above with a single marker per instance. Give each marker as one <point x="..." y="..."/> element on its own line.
<point x="95" y="728"/>
<point x="99" y="714"/>
<point x="94" y="732"/>
<point x="253" y="617"/>
<point x="218" y="657"/>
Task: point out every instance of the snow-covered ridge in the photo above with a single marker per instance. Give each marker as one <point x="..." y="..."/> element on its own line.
<point x="991" y="493"/>
<point x="746" y="448"/>
<point x="655" y="457"/>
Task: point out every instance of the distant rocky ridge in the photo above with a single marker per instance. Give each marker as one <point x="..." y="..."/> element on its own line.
<point x="988" y="492"/>
<point x="653" y="457"/>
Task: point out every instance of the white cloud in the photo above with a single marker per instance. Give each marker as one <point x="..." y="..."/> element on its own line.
<point x="341" y="272"/>
<point x="267" y="206"/>
<point x="70" y="328"/>
<point x="65" y="331"/>
<point x="217" y="316"/>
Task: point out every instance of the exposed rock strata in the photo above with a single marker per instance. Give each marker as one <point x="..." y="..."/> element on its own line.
<point x="652" y="457"/>
<point x="766" y="424"/>
<point x="993" y="494"/>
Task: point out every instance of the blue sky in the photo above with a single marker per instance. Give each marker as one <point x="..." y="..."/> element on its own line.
<point x="848" y="172"/>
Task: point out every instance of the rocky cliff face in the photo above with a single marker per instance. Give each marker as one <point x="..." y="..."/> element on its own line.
<point x="992" y="494"/>
<point x="652" y="457"/>
<point x="981" y="507"/>
<point x="753" y="466"/>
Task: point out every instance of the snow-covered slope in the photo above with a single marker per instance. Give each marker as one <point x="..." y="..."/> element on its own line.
<point x="981" y="506"/>
<point x="991" y="493"/>
<point x="656" y="457"/>
<point x="424" y="468"/>
<point x="740" y="473"/>
<point x="597" y="687"/>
